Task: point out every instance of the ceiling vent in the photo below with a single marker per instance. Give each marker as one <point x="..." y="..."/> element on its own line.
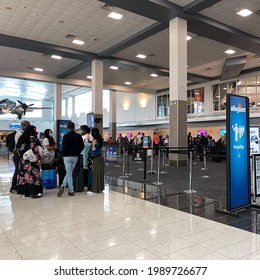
<point x="70" y="36"/>
<point x="107" y="7"/>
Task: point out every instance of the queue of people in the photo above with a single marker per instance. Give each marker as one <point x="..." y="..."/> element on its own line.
<point x="30" y="157"/>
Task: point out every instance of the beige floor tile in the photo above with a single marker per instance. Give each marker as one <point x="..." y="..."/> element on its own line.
<point x="189" y="253"/>
<point x="168" y="247"/>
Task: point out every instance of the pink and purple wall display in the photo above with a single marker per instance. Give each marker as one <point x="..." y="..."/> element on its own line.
<point x="203" y="131"/>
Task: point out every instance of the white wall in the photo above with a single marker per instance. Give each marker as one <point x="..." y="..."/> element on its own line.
<point x="135" y="107"/>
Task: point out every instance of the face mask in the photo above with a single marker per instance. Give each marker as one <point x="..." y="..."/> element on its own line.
<point x="51" y="134"/>
<point x="24" y="127"/>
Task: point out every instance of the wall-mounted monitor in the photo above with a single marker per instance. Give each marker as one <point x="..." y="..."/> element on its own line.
<point x="222" y="131"/>
<point x="15" y="125"/>
<point x="91" y="120"/>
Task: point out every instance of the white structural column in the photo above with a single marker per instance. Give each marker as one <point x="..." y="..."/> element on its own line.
<point x="57" y="107"/>
<point x="112" y="115"/>
<point x="97" y="93"/>
<point x="178" y="88"/>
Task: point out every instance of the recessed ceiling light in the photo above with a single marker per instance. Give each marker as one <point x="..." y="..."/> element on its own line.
<point x="115" y="15"/>
<point x="89" y="77"/>
<point x="230" y="51"/>
<point x="154" y="75"/>
<point x="114" y="67"/>
<point x="188" y="38"/>
<point x="78" y="42"/>
<point x="143" y="56"/>
<point x="244" y="13"/>
<point x="38" y="69"/>
<point x="128" y="83"/>
<point x="54" y="56"/>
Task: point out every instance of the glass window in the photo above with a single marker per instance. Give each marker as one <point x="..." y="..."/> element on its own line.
<point x="195" y="100"/>
<point x="163" y="105"/>
<point x="83" y="103"/>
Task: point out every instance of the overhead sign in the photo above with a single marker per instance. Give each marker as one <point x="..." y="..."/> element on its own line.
<point x="238" y="152"/>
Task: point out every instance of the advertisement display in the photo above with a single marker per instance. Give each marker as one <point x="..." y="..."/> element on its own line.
<point x="111" y="153"/>
<point x="62" y="130"/>
<point x="238" y="156"/>
<point x="91" y="120"/>
<point x="145" y="142"/>
<point x="257" y="175"/>
<point x="254" y="140"/>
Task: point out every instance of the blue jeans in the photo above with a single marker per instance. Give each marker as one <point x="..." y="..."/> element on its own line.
<point x="70" y="163"/>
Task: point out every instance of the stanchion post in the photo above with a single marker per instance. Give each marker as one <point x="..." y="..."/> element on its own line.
<point x="124" y="175"/>
<point x="164" y="151"/>
<point x="205" y="164"/>
<point x="128" y="163"/>
<point x="145" y="157"/>
<point x="253" y="178"/>
<point x="158" y="169"/>
<point x="191" y="172"/>
<point x="151" y="171"/>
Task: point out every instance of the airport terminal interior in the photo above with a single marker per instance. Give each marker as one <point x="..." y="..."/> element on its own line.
<point x="127" y="64"/>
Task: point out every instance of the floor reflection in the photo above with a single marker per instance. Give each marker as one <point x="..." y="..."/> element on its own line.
<point x="247" y="219"/>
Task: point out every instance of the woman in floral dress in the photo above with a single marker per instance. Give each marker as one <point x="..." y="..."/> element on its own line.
<point x="29" y="175"/>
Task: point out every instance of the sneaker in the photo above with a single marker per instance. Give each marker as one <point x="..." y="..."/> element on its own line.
<point x="60" y="192"/>
<point x="71" y="193"/>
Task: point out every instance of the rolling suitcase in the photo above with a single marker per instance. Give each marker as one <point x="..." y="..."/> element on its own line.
<point x="49" y="178"/>
<point x="78" y="183"/>
<point x="78" y="175"/>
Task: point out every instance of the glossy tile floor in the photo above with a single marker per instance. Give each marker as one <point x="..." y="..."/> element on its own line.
<point x="114" y="225"/>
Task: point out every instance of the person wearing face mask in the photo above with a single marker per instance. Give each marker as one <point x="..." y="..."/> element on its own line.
<point x="16" y="157"/>
<point x="87" y="139"/>
<point x="49" y="143"/>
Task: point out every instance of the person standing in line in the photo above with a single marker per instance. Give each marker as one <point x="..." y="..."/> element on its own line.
<point x="156" y="143"/>
<point x="72" y="146"/>
<point x="87" y="139"/>
<point x="29" y="181"/>
<point x="98" y="162"/>
<point x="49" y="144"/>
<point x="16" y="157"/>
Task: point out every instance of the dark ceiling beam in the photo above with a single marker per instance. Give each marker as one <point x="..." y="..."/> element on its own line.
<point x="44" y="48"/>
<point x="74" y="70"/>
<point x="139" y="36"/>
<point x="197" y="24"/>
<point x="159" y="10"/>
<point x="222" y="33"/>
<point x="137" y="66"/>
<point x="197" y="78"/>
<point x="198" y="5"/>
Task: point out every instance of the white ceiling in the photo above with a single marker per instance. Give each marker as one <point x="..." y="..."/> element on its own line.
<point x="50" y="21"/>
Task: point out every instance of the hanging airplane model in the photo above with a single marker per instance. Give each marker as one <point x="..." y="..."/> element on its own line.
<point x="8" y="106"/>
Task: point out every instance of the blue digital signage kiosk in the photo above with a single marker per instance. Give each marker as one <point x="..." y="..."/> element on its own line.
<point x="62" y="130"/>
<point x="238" y="152"/>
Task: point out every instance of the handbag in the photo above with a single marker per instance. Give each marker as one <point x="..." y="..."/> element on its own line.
<point x="48" y="158"/>
<point x="29" y="155"/>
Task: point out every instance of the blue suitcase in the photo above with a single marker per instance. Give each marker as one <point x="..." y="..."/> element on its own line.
<point x="49" y="178"/>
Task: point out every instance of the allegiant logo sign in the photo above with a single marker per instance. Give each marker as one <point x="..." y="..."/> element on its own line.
<point x="238" y="109"/>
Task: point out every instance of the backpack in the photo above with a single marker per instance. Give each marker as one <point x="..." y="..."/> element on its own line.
<point x="10" y="143"/>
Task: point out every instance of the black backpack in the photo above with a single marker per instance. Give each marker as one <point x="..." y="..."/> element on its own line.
<point x="10" y="143"/>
